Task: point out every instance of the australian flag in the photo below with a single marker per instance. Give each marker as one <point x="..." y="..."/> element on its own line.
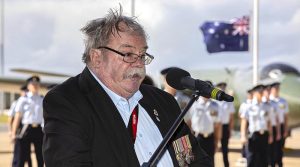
<point x="222" y="36"/>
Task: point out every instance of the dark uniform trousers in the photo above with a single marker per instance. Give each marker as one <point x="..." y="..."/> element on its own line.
<point x="208" y="144"/>
<point x="224" y="144"/>
<point x="257" y="150"/>
<point x="32" y="135"/>
<point x="17" y="155"/>
<point x="272" y="149"/>
<point x="280" y="146"/>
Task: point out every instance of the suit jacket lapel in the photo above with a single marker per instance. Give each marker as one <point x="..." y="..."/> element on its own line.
<point x="115" y="128"/>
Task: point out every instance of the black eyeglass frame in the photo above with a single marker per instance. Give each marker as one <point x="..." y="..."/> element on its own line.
<point x="146" y="57"/>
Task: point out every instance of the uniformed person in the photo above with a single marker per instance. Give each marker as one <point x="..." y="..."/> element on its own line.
<point x="273" y="114"/>
<point x="282" y="111"/>
<point x="30" y="108"/>
<point x="256" y="121"/>
<point x="205" y="123"/>
<point x="243" y="108"/>
<point x="226" y="115"/>
<point x="17" y="146"/>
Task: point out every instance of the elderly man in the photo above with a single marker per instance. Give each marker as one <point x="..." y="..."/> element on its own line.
<point x="104" y="116"/>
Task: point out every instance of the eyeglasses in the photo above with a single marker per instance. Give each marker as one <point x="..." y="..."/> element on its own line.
<point x="131" y="57"/>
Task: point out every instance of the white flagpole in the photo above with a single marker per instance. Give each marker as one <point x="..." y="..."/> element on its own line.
<point x="132" y="8"/>
<point x="255" y="40"/>
<point x="2" y="38"/>
<point x="2" y="54"/>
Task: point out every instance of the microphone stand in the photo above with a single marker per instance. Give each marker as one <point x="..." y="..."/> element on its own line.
<point x="158" y="152"/>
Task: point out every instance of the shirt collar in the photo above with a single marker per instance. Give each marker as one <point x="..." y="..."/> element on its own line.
<point x="29" y="94"/>
<point x="117" y="98"/>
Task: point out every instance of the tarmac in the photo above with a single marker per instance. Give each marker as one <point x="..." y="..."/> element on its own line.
<point x="291" y="154"/>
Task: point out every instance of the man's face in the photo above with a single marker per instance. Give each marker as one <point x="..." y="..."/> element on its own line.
<point x="121" y="77"/>
<point x="33" y="86"/>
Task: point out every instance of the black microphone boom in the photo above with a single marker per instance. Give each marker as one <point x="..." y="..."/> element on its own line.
<point x="181" y="79"/>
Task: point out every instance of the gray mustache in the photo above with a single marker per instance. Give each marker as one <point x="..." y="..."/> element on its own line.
<point x="138" y="72"/>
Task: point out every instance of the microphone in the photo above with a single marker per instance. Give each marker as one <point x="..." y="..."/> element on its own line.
<point x="181" y="79"/>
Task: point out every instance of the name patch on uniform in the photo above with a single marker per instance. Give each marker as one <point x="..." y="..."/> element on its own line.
<point x="183" y="151"/>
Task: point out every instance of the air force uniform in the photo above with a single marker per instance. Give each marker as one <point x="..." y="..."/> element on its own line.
<point x="282" y="109"/>
<point x="205" y="113"/>
<point x="258" y="119"/>
<point x="273" y="115"/>
<point x="32" y="111"/>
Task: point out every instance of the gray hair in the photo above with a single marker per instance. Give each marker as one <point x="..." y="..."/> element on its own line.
<point x="98" y="31"/>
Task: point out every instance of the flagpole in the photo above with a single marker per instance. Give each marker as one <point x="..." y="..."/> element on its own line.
<point x="255" y="40"/>
<point x="2" y="54"/>
<point x="132" y="8"/>
<point x="2" y="38"/>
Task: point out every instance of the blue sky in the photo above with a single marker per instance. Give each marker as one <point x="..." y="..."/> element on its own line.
<point x="44" y="34"/>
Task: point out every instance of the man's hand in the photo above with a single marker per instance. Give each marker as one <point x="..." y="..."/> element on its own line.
<point x="244" y="140"/>
<point x="270" y="141"/>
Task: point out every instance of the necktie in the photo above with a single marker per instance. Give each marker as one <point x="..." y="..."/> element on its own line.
<point x="132" y="125"/>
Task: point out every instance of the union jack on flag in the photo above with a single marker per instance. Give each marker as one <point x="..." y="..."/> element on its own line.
<point x="226" y="36"/>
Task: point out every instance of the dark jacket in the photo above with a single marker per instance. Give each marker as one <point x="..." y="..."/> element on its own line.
<point x="83" y="127"/>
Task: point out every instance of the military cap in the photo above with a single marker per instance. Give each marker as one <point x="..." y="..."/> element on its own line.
<point x="24" y="87"/>
<point x="258" y="88"/>
<point x="221" y="84"/>
<point x="33" y="79"/>
<point x="275" y="84"/>
<point x="249" y="91"/>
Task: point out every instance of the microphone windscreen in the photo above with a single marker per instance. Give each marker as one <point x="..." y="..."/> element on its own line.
<point x="174" y="77"/>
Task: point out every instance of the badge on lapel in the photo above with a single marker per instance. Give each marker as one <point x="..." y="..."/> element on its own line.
<point x="156" y="115"/>
<point x="183" y="151"/>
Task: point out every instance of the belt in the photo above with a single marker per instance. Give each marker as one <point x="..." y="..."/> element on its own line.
<point x="35" y="125"/>
<point x="261" y="132"/>
<point x="206" y="135"/>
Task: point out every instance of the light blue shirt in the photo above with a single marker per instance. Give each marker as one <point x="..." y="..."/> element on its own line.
<point x="148" y="135"/>
<point x="226" y="108"/>
<point x="31" y="106"/>
<point x="244" y="106"/>
<point x="281" y="106"/>
<point x="257" y="116"/>
<point x="12" y="108"/>
<point x="204" y="115"/>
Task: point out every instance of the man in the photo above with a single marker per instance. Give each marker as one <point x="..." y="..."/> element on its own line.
<point x="273" y="114"/>
<point x="226" y="115"/>
<point x="29" y="110"/>
<point x="104" y="116"/>
<point x="17" y="141"/>
<point x="256" y="121"/>
<point x="282" y="111"/>
<point x="243" y="108"/>
<point x="205" y="123"/>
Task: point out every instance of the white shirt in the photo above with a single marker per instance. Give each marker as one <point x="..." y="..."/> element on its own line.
<point x="12" y="111"/>
<point x="271" y="107"/>
<point x="31" y="106"/>
<point x="226" y="109"/>
<point x="148" y="135"/>
<point x="244" y="106"/>
<point x="204" y="115"/>
<point x="257" y="116"/>
<point x="282" y="107"/>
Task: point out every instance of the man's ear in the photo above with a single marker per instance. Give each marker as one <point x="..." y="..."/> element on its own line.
<point x="95" y="57"/>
